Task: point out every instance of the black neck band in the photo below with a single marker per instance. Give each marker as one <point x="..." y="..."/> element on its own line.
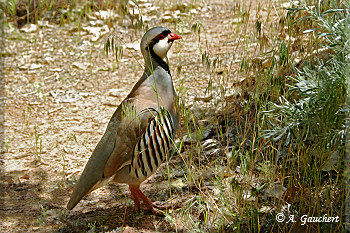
<point x="157" y="59"/>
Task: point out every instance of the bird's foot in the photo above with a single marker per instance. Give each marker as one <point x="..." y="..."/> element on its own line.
<point x="158" y="208"/>
<point x="158" y="205"/>
<point x="155" y="207"/>
<point x="152" y="207"/>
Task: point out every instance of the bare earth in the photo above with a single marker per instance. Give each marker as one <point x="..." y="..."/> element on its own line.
<point x="61" y="90"/>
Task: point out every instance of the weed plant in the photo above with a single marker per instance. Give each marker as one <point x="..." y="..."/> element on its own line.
<point x="308" y="126"/>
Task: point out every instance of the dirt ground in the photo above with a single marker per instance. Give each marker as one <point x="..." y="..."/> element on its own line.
<point x="61" y="90"/>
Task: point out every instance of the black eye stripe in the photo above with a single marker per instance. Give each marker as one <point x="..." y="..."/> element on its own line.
<point x="161" y="36"/>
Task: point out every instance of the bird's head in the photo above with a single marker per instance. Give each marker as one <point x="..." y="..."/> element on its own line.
<point x="157" y="41"/>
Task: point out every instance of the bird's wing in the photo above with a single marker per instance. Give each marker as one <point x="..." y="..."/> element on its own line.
<point x="114" y="149"/>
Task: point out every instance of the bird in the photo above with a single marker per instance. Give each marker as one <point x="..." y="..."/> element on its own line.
<point x="140" y="134"/>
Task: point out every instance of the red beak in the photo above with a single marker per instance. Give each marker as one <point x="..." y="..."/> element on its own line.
<point x="174" y="36"/>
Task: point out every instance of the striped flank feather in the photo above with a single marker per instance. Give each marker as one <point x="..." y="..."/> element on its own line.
<point x="154" y="145"/>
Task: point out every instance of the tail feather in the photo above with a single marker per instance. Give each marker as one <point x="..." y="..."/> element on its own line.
<point x="77" y="196"/>
<point x="82" y="188"/>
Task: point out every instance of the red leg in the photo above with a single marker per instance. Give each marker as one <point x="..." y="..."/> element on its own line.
<point x="145" y="200"/>
<point x="135" y="191"/>
<point x="134" y="197"/>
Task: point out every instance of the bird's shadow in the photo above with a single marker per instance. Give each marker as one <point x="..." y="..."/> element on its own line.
<point x="113" y="218"/>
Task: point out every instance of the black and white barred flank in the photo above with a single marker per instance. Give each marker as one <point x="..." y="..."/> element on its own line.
<point x="154" y="145"/>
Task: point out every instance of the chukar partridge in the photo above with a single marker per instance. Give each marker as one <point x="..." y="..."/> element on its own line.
<point x="140" y="133"/>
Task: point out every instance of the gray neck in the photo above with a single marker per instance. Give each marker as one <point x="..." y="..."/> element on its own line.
<point x="160" y="79"/>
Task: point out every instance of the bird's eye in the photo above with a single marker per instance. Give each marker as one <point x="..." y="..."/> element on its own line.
<point x="160" y="37"/>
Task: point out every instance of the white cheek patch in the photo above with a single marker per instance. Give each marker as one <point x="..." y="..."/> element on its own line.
<point x="162" y="47"/>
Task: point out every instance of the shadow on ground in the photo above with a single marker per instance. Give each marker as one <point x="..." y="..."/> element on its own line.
<point x="112" y="219"/>
<point x="39" y="205"/>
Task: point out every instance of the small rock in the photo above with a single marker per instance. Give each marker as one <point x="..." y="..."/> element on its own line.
<point x="108" y="14"/>
<point x="133" y="45"/>
<point x="61" y="96"/>
<point x="56" y="70"/>
<point x="275" y="192"/>
<point x="332" y="162"/>
<point x="193" y="11"/>
<point x="49" y="60"/>
<point x="178" y="184"/>
<point x="79" y="65"/>
<point x="166" y="18"/>
<point x="115" y="92"/>
<point x="29" y="28"/>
